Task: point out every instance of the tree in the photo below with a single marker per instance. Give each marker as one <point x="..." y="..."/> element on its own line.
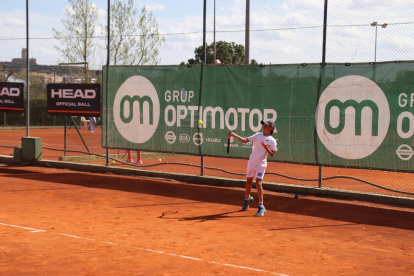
<point x="254" y="62"/>
<point x="4" y="75"/>
<point x="226" y="52"/>
<point x="37" y="84"/>
<point x="134" y="37"/>
<point x="79" y="28"/>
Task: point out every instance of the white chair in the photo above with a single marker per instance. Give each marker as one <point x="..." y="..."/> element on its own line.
<point x="84" y="122"/>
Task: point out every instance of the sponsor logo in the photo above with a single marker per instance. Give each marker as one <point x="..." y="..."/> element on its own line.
<point x="405" y="152"/>
<point x="73" y="93"/>
<point x="136" y="109"/>
<point x="352" y="117"/>
<point x="198" y="139"/>
<point x="10" y="91"/>
<point x="170" y="137"/>
<point x="184" y="138"/>
<point x="213" y="140"/>
<point x="7" y="101"/>
<point x="247" y="145"/>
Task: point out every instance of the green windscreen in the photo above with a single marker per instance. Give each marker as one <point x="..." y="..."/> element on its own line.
<point x="359" y="115"/>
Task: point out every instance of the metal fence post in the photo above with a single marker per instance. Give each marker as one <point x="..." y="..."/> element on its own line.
<point x="320" y="176"/>
<point x="202" y="165"/>
<point x="66" y="122"/>
<point x="80" y="134"/>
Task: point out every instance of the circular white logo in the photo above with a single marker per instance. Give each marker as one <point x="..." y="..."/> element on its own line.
<point x="352" y="117"/>
<point x="404" y="152"/>
<point x="136" y="109"/>
<point x="198" y="139"/>
<point x="184" y="138"/>
<point x="170" y="137"/>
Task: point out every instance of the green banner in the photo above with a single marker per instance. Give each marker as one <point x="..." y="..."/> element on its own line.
<point x="358" y="115"/>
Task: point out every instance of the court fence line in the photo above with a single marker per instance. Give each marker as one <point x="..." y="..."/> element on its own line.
<point x="226" y="171"/>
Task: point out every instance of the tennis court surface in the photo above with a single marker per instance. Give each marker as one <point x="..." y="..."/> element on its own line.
<point x="62" y="222"/>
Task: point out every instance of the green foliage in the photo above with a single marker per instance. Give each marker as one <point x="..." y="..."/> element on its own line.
<point x="254" y="62"/>
<point x="78" y="30"/>
<point x="134" y="37"/>
<point x="226" y="52"/>
<point x="38" y="116"/>
<point x="37" y="85"/>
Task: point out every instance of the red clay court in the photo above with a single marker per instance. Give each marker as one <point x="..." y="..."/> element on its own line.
<point x="54" y="138"/>
<point x="62" y="222"/>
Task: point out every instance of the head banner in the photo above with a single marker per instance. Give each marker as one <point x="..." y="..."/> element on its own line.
<point x="12" y="97"/>
<point x="74" y="99"/>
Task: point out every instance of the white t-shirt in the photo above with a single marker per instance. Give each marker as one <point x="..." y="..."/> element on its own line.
<point x="259" y="153"/>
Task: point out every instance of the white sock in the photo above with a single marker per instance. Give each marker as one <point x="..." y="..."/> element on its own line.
<point x="261" y="204"/>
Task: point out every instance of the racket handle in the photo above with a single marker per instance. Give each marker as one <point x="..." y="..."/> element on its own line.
<point x="228" y="144"/>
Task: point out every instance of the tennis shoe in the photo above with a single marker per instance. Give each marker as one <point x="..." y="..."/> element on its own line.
<point x="138" y="162"/>
<point x="261" y="211"/>
<point x="129" y="161"/>
<point x="246" y="203"/>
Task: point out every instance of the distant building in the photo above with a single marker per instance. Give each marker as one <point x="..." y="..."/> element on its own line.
<point x="22" y="61"/>
<point x="19" y="64"/>
<point x="50" y="73"/>
<point x="13" y="78"/>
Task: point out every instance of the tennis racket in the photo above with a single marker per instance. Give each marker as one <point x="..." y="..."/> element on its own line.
<point x="228" y="144"/>
<point x="122" y="153"/>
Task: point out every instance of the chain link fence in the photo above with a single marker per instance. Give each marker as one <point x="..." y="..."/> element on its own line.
<point x="289" y="32"/>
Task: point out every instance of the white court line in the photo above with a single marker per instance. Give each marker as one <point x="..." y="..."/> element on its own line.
<point x="16" y="226"/>
<point x="148" y="250"/>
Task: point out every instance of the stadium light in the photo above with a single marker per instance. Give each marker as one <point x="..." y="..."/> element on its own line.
<point x="375" y="24"/>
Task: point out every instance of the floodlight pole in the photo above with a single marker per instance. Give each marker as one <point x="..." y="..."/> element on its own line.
<point x="375" y="24"/>
<point x="325" y="19"/>
<point x="375" y="54"/>
<point x="247" y="34"/>
<point x="106" y="80"/>
<point x="214" y="35"/>
<point x="27" y="71"/>
<point x="204" y="32"/>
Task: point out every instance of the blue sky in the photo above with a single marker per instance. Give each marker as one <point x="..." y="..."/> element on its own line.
<point x="283" y="31"/>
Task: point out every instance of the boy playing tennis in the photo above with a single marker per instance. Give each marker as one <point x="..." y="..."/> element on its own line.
<point x="263" y="144"/>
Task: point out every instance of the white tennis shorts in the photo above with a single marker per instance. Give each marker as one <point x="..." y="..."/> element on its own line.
<point x="257" y="171"/>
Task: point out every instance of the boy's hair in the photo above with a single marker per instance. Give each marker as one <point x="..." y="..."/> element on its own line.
<point x="269" y="123"/>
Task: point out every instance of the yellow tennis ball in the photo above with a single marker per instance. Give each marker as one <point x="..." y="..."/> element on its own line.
<point x="113" y="162"/>
<point x="200" y="122"/>
<point x="159" y="159"/>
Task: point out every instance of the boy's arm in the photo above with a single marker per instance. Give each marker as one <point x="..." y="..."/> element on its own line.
<point x="269" y="151"/>
<point x="241" y="139"/>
